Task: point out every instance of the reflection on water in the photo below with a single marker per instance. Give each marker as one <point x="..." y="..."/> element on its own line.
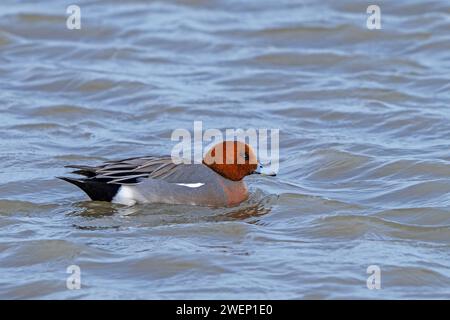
<point x="364" y="137"/>
<point x="94" y="213"/>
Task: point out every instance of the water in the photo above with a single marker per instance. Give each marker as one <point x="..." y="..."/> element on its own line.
<point x="364" y="127"/>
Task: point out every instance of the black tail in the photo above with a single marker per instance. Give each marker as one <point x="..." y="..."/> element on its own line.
<point x="95" y="189"/>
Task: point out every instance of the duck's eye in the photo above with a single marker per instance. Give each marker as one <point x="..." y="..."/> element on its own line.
<point x="246" y="157"/>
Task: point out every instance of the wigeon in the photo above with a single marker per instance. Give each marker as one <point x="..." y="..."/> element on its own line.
<point x="217" y="181"/>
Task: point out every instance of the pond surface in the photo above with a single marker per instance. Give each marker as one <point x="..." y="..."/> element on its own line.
<point x="364" y="125"/>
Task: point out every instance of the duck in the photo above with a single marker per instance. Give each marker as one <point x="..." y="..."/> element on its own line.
<point x="218" y="181"/>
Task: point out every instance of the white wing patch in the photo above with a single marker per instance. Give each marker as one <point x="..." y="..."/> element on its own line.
<point x="191" y="185"/>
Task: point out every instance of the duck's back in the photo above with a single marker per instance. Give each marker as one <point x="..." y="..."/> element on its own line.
<point x="157" y="180"/>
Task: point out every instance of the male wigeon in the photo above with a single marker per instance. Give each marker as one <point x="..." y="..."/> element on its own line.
<point x="217" y="181"/>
